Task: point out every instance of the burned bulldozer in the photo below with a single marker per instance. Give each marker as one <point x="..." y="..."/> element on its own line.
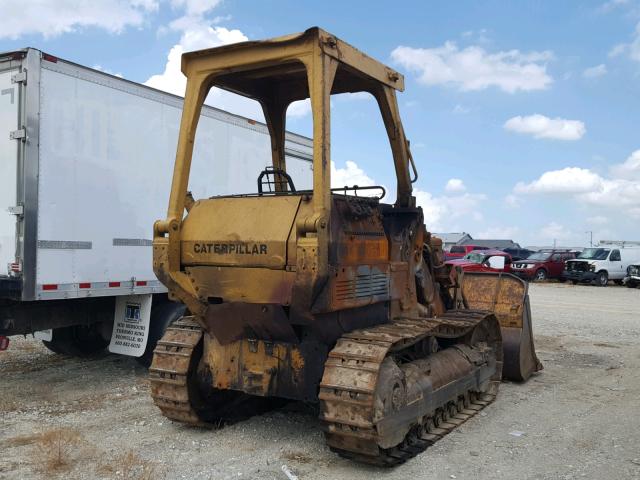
<point x="324" y="295"/>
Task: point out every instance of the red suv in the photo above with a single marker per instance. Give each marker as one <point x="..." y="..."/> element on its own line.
<point x="483" y="261"/>
<point x="542" y="265"/>
<point x="459" y="251"/>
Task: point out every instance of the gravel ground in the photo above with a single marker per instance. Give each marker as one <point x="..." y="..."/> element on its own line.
<point x="70" y="418"/>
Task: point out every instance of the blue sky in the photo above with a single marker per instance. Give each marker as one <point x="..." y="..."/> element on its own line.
<point x="523" y="116"/>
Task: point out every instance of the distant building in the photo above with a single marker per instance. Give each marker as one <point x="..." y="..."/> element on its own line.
<point x="450" y="239"/>
<point x="497" y="244"/>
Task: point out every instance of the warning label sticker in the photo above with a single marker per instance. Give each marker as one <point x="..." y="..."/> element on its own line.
<point x="131" y="325"/>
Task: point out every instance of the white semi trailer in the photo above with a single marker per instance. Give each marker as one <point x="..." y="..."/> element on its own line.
<point x="85" y="167"/>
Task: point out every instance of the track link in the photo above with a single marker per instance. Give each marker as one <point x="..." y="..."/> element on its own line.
<point x="173" y="362"/>
<point x="348" y="389"/>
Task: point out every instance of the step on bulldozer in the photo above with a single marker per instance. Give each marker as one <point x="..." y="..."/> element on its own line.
<point x="327" y="296"/>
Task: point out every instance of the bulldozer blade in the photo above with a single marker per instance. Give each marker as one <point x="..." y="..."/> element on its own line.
<point x="507" y="297"/>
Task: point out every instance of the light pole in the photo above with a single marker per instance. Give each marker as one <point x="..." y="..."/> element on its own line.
<point x="590" y="232"/>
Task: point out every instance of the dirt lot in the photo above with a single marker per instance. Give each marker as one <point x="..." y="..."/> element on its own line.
<point x="69" y="418"/>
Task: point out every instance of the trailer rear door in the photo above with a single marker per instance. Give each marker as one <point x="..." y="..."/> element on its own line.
<point x="8" y="168"/>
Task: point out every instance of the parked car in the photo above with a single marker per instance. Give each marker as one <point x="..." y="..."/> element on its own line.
<point x="518" y="253"/>
<point x="601" y="264"/>
<point x="542" y="265"/>
<point x="485" y="260"/>
<point x="632" y="279"/>
<point x="459" y="251"/>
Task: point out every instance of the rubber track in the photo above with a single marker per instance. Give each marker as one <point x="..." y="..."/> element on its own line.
<point x="346" y="409"/>
<point x="169" y="371"/>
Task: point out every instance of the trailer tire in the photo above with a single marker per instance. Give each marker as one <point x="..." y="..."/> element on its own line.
<point x="162" y="315"/>
<point x="76" y="341"/>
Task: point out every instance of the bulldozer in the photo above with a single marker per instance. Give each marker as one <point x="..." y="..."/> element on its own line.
<point x="327" y="296"/>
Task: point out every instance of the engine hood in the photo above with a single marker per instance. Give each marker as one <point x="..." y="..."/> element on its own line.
<point x="243" y="232"/>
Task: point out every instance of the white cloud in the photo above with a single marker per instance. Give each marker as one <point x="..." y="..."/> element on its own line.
<point x="606" y="7"/>
<point x="544" y="127"/>
<point x="632" y="49"/>
<point x="106" y="70"/>
<point x="195" y="7"/>
<point x="434" y="211"/>
<point x="634" y="46"/>
<point x="172" y="80"/>
<point x="597" y="71"/>
<point x="498" y="233"/>
<point x="629" y="169"/>
<point x="615" y="193"/>
<point x="473" y="68"/>
<point x="350" y="176"/>
<point x="568" y="180"/>
<point x="198" y="33"/>
<point x="617" y="50"/>
<point x="354" y="96"/>
<point x="459" y="109"/>
<point x="441" y="213"/>
<point x="299" y="108"/>
<point x="597" y="220"/>
<point x="554" y="231"/>
<point x="512" y="201"/>
<point x="455" y="185"/>
<point x="479" y="36"/>
<point x="51" y="18"/>
<point x="620" y="191"/>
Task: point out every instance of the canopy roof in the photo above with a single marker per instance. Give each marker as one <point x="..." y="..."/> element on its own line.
<point x="256" y="69"/>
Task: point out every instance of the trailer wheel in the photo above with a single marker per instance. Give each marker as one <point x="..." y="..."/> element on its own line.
<point x="162" y="315"/>
<point x="76" y="341"/>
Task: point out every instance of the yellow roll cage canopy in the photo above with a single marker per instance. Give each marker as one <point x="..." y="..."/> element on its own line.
<point x="313" y="64"/>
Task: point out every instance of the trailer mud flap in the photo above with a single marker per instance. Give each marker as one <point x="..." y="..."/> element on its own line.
<point x="131" y="325"/>
<point x="506" y="296"/>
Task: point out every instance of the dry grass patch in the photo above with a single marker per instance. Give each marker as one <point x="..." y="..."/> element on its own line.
<point x="21" y="441"/>
<point x="129" y="466"/>
<point x="58" y="449"/>
<point x="299" y="457"/>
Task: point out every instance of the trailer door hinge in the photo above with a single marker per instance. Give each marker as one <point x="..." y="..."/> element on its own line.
<point x="20" y="77"/>
<point x="20" y="134"/>
<point x="17" y="210"/>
